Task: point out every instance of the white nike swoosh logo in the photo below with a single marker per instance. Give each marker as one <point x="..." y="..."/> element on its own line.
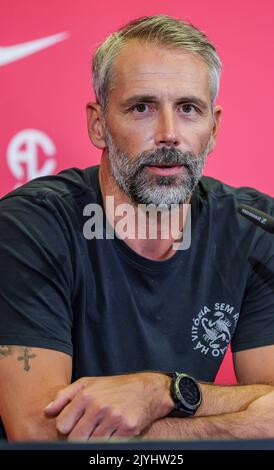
<point x="10" y="54"/>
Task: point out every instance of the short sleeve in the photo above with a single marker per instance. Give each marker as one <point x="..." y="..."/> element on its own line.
<point x="36" y="275"/>
<point x="255" y="327"/>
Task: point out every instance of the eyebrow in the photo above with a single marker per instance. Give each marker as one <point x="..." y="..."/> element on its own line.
<point x="135" y="99"/>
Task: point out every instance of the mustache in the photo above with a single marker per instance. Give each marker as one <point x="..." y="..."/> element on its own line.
<point x="165" y="156"/>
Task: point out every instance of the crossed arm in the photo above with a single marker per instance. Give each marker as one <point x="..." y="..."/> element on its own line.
<point x="127" y="405"/>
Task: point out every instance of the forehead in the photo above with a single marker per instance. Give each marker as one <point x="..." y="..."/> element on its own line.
<point x="140" y="67"/>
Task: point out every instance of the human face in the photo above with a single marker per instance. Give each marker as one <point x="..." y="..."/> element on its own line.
<point x="166" y="187"/>
<point x="159" y="122"/>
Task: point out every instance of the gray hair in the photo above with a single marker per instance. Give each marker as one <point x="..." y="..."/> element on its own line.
<point x="160" y="30"/>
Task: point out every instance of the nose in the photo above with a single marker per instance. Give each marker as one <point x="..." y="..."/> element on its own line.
<point x="166" y="132"/>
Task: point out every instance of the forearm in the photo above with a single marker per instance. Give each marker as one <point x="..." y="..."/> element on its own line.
<point x="241" y="425"/>
<point x="234" y="412"/>
<point x="217" y="399"/>
<point x="32" y="430"/>
<point x="29" y="423"/>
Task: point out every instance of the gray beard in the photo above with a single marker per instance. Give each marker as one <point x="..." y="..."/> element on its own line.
<point x="144" y="188"/>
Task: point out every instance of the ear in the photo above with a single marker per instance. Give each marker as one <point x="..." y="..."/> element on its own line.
<point x="217" y="118"/>
<point x="95" y="123"/>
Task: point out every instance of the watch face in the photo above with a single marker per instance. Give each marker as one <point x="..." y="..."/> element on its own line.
<point x="189" y="392"/>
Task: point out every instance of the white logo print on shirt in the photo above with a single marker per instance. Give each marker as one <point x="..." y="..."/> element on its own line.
<point x="212" y="329"/>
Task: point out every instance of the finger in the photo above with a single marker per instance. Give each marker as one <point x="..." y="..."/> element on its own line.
<point x="63" y="397"/>
<point x="70" y="415"/>
<point x="104" y="429"/>
<point x="123" y="433"/>
<point x="107" y="426"/>
<point x="84" y="427"/>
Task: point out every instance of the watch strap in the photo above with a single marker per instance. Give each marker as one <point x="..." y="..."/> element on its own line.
<point x="179" y="410"/>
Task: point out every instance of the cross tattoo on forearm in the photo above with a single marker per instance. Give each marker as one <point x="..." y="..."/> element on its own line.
<point x="26" y="358"/>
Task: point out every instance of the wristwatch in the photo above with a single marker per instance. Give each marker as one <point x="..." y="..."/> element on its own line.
<point x="186" y="394"/>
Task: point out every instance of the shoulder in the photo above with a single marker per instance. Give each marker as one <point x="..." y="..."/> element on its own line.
<point x="68" y="183"/>
<point x="55" y="195"/>
<point x="48" y="206"/>
<point x="224" y="196"/>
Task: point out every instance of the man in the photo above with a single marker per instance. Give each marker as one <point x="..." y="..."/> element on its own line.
<point x="93" y="329"/>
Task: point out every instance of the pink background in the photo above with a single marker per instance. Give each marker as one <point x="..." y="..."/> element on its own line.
<point x="47" y="91"/>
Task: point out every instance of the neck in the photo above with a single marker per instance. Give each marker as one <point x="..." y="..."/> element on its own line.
<point x="151" y="233"/>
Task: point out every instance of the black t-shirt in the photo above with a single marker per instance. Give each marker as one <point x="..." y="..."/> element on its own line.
<point x="115" y="311"/>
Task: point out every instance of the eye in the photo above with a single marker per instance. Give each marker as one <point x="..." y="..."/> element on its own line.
<point x="188" y="108"/>
<point x="140" y="108"/>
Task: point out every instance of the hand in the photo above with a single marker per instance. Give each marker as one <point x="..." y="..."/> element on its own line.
<point x="121" y="405"/>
